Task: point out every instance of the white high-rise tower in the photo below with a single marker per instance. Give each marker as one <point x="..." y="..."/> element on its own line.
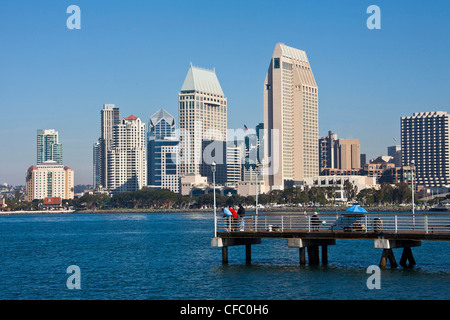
<point x="202" y="111"/>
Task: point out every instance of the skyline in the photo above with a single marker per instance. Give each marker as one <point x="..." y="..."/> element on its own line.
<point x="136" y="57"/>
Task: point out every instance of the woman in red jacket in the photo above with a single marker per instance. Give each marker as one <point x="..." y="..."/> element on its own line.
<point x="235" y="217"/>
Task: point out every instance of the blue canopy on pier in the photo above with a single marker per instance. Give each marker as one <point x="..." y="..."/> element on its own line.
<point x="356" y="209"/>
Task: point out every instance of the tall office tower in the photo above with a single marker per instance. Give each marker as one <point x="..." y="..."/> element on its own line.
<point x="291" y="118"/>
<point x="396" y="153"/>
<point x="49" y="179"/>
<point x="235" y="156"/>
<point x="426" y="140"/>
<point x="326" y="151"/>
<point x="110" y="116"/>
<point x="253" y="154"/>
<point x="260" y="136"/>
<point x="127" y="158"/>
<point x="48" y="147"/>
<point x="250" y="157"/>
<point x="202" y="112"/>
<point x="214" y="151"/>
<point x="97" y="161"/>
<point x="162" y="152"/>
<point x="347" y="154"/>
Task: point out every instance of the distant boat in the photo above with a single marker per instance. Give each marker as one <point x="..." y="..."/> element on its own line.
<point x="439" y="209"/>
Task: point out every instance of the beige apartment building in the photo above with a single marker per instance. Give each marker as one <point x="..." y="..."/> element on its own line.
<point x="347" y="154"/>
<point x="291" y="118"/>
<point x="49" y="179"/>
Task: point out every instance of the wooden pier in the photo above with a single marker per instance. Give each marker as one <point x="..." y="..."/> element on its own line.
<point x="308" y="233"/>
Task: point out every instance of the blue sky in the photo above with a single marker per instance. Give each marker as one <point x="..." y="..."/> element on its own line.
<point x="136" y="54"/>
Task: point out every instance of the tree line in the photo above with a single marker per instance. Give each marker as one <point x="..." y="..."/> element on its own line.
<point x="148" y="198"/>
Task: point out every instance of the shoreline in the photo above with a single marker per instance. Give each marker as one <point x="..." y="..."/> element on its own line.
<point x="210" y="210"/>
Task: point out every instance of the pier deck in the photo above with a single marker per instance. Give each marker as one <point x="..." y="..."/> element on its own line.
<point x="308" y="231"/>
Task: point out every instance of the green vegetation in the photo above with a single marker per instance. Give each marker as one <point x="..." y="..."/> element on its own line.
<point x="151" y="199"/>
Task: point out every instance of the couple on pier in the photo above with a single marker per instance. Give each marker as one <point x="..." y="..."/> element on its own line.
<point x="233" y="217"/>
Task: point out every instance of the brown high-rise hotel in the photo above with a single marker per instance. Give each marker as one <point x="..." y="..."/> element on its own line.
<point x="291" y="118"/>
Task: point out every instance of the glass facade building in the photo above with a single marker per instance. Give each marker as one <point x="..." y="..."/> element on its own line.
<point x="48" y="147"/>
<point x="162" y="152"/>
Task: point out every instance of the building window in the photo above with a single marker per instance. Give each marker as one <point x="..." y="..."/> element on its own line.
<point x="276" y="63"/>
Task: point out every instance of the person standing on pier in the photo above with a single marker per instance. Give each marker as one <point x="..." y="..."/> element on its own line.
<point x="315" y="222"/>
<point x="241" y="214"/>
<point x="234" y="219"/>
<point x="227" y="214"/>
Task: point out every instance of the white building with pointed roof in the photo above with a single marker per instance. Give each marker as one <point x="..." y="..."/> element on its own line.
<point x="202" y="113"/>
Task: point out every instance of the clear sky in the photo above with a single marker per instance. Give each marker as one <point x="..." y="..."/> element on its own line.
<point x="136" y="54"/>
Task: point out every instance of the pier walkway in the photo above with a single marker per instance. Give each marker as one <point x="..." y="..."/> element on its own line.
<point x="308" y="232"/>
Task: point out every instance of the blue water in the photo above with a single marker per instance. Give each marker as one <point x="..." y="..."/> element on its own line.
<point x="168" y="256"/>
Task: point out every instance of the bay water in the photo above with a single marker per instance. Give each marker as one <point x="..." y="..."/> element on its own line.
<point x="168" y="256"/>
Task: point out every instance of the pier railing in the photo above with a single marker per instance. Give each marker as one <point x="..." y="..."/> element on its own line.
<point x="337" y="222"/>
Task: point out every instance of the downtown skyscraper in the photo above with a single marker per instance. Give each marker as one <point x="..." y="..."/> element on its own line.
<point x="202" y="113"/>
<point x="162" y="152"/>
<point x="48" y="146"/>
<point x="110" y="116"/>
<point x="426" y="141"/>
<point x="127" y="156"/>
<point x="291" y="118"/>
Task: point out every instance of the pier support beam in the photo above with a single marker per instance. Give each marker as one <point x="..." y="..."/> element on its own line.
<point x="407" y="255"/>
<point x="302" y="255"/>
<point x="388" y="253"/>
<point x="224" y="255"/>
<point x="248" y="253"/>
<point x="312" y="246"/>
<point x="224" y="243"/>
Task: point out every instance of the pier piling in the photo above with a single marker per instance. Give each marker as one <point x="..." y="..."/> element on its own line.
<point x="312" y="247"/>
<point x="388" y="254"/>
<point x="224" y="243"/>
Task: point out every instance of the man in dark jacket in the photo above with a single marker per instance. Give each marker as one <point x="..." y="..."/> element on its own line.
<point x="241" y="213"/>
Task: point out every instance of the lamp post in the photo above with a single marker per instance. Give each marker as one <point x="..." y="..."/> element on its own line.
<point x="256" y="184"/>
<point x="213" y="169"/>
<point x="412" y="191"/>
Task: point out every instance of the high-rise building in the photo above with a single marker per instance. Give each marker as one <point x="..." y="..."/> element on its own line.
<point x="110" y="116"/>
<point x="425" y="140"/>
<point x="260" y="136"/>
<point x="291" y="118"/>
<point x="49" y="179"/>
<point x="202" y="113"/>
<point x="254" y="152"/>
<point x="347" y="154"/>
<point x="326" y="151"/>
<point x="97" y="164"/>
<point x="235" y="155"/>
<point x="127" y="158"/>
<point x="214" y="151"/>
<point x="48" y="147"/>
<point x="162" y="152"/>
<point x="161" y="125"/>
<point x="396" y="153"/>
